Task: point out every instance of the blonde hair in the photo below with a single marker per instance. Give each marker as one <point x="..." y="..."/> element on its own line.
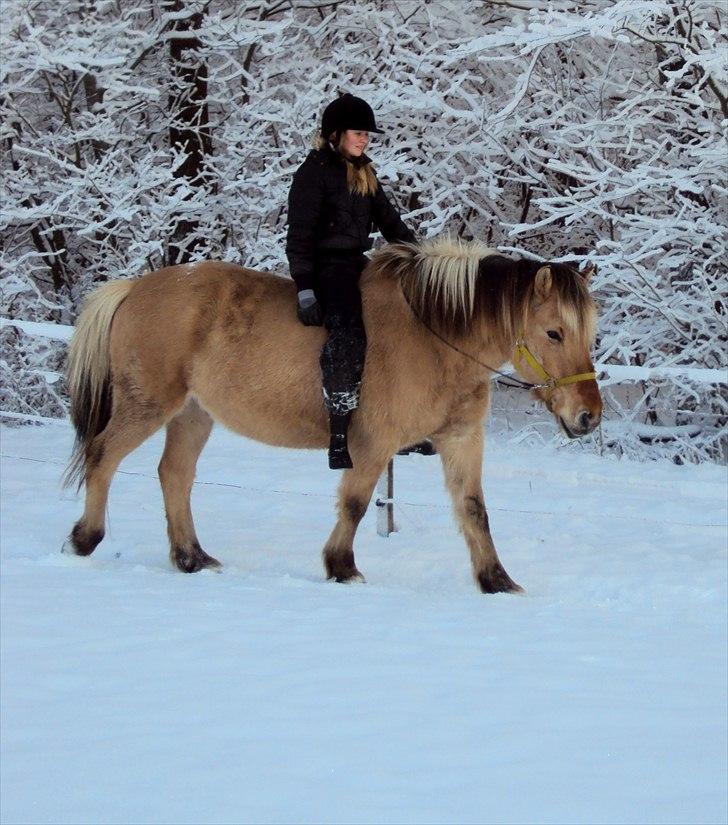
<point x="361" y="180"/>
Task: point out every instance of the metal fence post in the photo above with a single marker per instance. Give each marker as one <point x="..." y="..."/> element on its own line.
<point x="385" y="501"/>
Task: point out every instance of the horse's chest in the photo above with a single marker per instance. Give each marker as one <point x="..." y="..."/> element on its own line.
<point x="467" y="407"/>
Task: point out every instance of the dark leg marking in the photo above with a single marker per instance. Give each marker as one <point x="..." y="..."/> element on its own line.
<point x="340" y="565"/>
<point x="475" y="510"/>
<point x="94" y="455"/>
<point x="496" y="580"/>
<point x="136" y="405"/>
<point x="192" y="559"/>
<point x="493" y="579"/>
<point x="354" y="509"/>
<point x="82" y="542"/>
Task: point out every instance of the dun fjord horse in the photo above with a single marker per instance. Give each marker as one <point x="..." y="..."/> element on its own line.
<point x="190" y="345"/>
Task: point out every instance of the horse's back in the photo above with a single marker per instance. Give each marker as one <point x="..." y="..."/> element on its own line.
<point x="182" y="305"/>
<point x="189" y="288"/>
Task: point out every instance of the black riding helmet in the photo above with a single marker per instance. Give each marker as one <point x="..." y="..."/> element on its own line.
<point x="348" y="112"/>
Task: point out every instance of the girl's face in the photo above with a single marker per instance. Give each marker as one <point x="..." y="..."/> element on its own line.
<point x="354" y="142"/>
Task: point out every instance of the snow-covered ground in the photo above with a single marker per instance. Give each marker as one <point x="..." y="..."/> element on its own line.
<point x="132" y="693"/>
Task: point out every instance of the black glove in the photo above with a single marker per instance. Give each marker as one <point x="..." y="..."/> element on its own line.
<point x="309" y="309"/>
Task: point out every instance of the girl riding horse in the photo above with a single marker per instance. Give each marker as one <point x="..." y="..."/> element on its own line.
<point x="334" y="201"/>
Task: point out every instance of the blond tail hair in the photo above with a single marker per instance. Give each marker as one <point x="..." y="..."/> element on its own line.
<point x="88" y="374"/>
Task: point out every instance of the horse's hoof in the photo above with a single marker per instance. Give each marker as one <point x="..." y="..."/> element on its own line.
<point x="193" y="559"/>
<point x="496" y="580"/>
<point x="340" y="566"/>
<point x="350" y="578"/>
<point x="81" y="542"/>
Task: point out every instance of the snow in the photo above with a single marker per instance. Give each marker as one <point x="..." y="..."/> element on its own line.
<point x="134" y="693"/>
<point x="41" y="329"/>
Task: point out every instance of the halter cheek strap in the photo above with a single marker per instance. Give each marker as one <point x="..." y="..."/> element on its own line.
<point x="549" y="383"/>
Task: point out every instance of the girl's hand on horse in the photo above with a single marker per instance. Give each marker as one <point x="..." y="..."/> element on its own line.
<point x="309" y="309"/>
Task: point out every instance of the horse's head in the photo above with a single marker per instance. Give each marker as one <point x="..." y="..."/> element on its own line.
<point x="553" y="350"/>
<point x="468" y="294"/>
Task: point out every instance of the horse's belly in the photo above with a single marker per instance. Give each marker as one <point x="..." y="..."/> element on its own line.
<point x="276" y="432"/>
<point x="260" y="377"/>
<point x="277" y="415"/>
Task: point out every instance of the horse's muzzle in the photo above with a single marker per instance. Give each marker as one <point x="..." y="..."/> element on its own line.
<point x="584" y="423"/>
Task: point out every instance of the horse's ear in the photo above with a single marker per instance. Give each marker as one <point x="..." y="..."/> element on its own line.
<point x="542" y="283"/>
<point x="589" y="271"/>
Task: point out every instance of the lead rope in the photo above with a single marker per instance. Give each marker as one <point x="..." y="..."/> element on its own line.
<point x="519" y="385"/>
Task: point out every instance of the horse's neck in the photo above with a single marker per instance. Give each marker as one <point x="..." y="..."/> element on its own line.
<point x="407" y="348"/>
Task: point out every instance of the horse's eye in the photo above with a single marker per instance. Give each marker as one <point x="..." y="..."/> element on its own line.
<point x="553" y="335"/>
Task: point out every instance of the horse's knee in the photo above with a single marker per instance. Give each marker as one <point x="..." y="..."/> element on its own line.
<point x="353" y="509"/>
<point x="169" y="469"/>
<point x="164" y="471"/>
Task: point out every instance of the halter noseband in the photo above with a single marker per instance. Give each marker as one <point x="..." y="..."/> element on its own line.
<point x="549" y="382"/>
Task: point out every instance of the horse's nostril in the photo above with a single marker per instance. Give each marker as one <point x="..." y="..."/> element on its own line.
<point x="585" y="420"/>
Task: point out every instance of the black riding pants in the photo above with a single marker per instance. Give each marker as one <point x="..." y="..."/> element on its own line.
<point x="342" y="356"/>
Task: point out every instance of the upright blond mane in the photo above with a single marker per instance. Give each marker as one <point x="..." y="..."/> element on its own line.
<point x="439" y="277"/>
<point x="448" y="273"/>
<point x="453" y="284"/>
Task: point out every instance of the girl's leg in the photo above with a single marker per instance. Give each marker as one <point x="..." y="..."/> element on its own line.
<point x="342" y="356"/>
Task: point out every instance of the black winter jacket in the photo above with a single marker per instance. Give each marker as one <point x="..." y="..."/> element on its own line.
<point x="324" y="216"/>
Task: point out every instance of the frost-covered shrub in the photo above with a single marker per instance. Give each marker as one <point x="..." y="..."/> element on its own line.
<point x="31" y="380"/>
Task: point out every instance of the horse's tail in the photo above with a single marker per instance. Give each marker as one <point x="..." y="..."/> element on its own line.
<point x="88" y="374"/>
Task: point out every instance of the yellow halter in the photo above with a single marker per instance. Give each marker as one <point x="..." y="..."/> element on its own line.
<point x="549" y="383"/>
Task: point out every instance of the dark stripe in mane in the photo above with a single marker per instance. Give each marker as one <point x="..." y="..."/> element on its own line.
<point x="453" y="287"/>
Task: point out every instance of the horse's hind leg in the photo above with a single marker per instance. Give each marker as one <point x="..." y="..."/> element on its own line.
<point x="355" y="491"/>
<point x="130" y="425"/>
<point x="462" y="457"/>
<point x="187" y="434"/>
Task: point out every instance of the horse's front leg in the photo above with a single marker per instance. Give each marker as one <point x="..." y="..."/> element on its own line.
<point x="355" y="492"/>
<point x="462" y="460"/>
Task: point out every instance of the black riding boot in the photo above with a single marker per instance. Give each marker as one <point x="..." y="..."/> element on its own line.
<point x="339" y="458"/>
